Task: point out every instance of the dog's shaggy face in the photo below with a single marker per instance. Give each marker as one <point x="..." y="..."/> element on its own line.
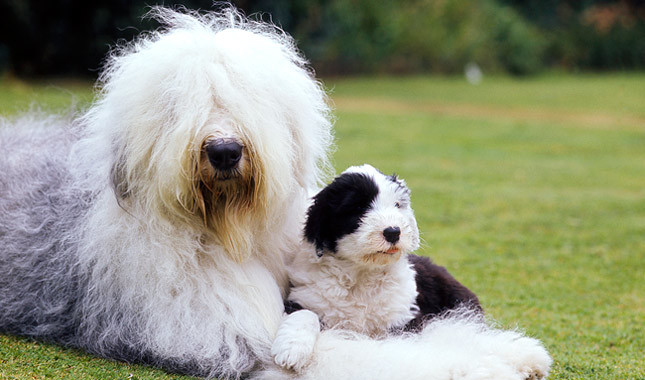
<point x="363" y="216"/>
<point x="222" y="123"/>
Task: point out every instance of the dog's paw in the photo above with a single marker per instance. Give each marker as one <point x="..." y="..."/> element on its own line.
<point x="296" y="356"/>
<point x="484" y="367"/>
<point x="295" y="340"/>
<point x="527" y="356"/>
<point x="531" y="359"/>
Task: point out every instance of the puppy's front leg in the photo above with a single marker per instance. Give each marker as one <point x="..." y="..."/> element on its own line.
<point x="295" y="340"/>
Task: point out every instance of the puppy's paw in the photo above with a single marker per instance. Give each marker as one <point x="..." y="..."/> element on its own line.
<point x="527" y="356"/>
<point x="295" y="340"/>
<point x="532" y="359"/>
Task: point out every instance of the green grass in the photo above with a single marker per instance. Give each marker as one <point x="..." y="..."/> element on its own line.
<point x="55" y="95"/>
<point x="26" y="359"/>
<point x="531" y="192"/>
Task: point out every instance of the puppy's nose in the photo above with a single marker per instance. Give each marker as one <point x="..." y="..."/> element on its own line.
<point x="224" y="156"/>
<point x="392" y="234"/>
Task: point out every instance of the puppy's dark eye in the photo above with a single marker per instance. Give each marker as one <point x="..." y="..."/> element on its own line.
<point x="397" y="205"/>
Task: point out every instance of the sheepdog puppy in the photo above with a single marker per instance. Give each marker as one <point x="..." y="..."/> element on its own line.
<point x="355" y="272"/>
<point x="155" y="227"/>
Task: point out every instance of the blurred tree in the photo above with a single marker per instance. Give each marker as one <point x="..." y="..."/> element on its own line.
<point x="589" y="34"/>
<point x="62" y="37"/>
<point x="71" y="37"/>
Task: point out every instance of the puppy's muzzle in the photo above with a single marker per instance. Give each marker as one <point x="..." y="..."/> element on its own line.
<point x="392" y="234"/>
<point x="224" y="155"/>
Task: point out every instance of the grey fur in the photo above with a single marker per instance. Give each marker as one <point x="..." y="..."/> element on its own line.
<point x="39" y="209"/>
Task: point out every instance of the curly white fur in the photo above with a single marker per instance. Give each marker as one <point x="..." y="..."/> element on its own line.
<point x="115" y="237"/>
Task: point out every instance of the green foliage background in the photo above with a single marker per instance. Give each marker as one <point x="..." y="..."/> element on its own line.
<point x="71" y="37"/>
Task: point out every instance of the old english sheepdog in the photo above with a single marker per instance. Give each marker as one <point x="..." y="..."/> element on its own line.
<point x="155" y="227"/>
<point x="357" y="273"/>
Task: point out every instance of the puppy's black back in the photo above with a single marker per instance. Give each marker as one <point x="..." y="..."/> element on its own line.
<point x="438" y="291"/>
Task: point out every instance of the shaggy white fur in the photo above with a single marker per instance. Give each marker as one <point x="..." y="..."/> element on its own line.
<point x="120" y="238"/>
<point x="194" y="266"/>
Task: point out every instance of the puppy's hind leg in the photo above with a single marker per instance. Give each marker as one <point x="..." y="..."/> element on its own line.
<point x="295" y="340"/>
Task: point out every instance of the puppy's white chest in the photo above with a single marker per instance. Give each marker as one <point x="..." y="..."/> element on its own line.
<point x="370" y="302"/>
<point x="375" y="307"/>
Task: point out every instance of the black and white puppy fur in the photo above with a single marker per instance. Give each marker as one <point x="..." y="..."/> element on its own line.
<point x="356" y="272"/>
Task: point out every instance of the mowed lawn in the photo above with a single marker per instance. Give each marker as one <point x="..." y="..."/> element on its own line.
<point x="530" y="191"/>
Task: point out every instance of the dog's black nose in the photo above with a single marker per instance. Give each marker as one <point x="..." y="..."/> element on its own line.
<point x="392" y="234"/>
<point x="224" y="156"/>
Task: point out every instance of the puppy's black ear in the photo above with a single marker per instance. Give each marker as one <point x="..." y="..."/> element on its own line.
<point x="337" y="209"/>
<point x="317" y="217"/>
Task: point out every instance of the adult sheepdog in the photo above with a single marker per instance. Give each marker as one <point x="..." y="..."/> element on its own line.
<point x="155" y="227"/>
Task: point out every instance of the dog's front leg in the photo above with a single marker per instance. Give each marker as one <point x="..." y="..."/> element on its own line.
<point x="295" y="340"/>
